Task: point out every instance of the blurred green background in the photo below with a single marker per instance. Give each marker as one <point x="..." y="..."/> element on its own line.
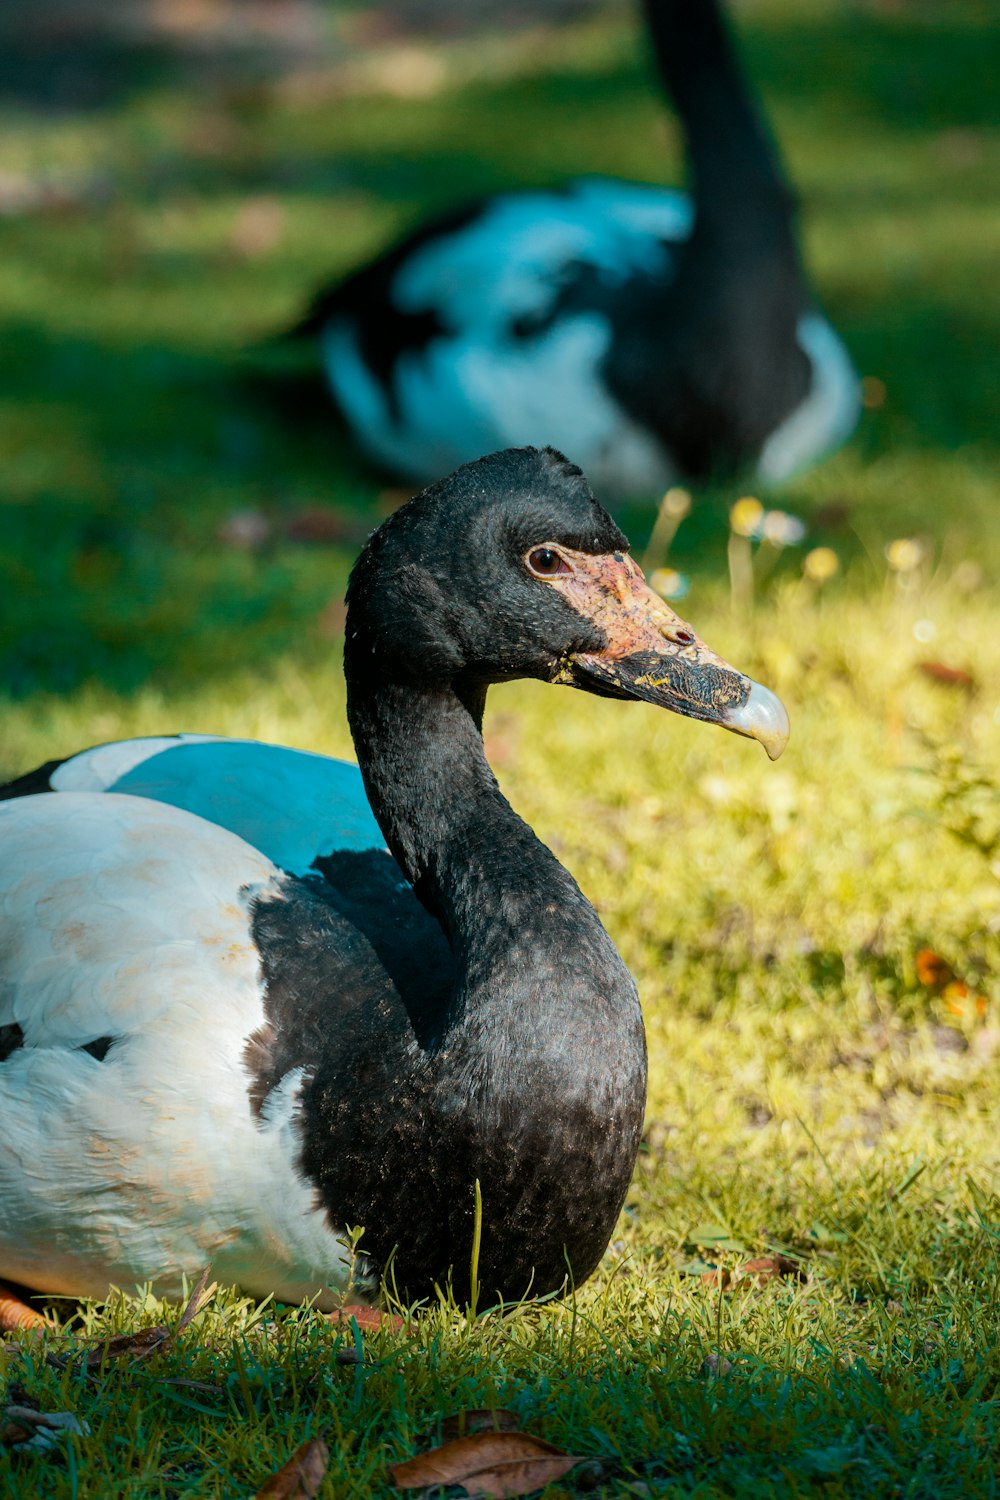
<point x="177" y="177"/>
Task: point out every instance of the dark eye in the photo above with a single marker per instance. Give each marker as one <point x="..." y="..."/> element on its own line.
<point x="546" y="562"/>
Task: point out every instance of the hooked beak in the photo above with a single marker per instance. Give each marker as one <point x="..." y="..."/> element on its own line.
<point x="655" y="656"/>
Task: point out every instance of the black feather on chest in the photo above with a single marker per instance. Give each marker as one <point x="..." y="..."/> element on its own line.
<point x="399" y="1120"/>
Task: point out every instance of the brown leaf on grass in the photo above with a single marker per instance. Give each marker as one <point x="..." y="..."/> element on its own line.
<point x="368" y="1319"/>
<point x="933" y="971"/>
<point x="764" y="1268"/>
<point x="498" y="1464"/>
<point x="756" y="1272"/>
<point x="146" y="1341"/>
<point x="139" y="1345"/>
<point x="939" y="671"/>
<point x="200" y="1297"/>
<point x="460" y="1424"/>
<point x="715" y="1366"/>
<point x="301" y="1477"/>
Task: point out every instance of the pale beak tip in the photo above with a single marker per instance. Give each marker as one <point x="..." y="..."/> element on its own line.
<point x="762" y="717"/>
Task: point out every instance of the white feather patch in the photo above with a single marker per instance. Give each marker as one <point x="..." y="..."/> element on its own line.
<point x="99" y="769"/>
<point x="289" y="804"/>
<point x="123" y="918"/>
<point x="477" y="388"/>
<point x="828" y="414"/>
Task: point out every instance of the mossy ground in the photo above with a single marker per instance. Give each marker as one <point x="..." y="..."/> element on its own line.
<point x="808" y="1091"/>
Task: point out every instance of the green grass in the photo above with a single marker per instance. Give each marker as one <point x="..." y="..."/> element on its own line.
<point x="808" y="1092"/>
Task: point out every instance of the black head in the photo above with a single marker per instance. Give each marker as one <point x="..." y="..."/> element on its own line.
<point x="442" y="589"/>
<point x="510" y="568"/>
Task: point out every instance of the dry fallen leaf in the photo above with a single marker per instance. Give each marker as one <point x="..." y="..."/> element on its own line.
<point x="767" y="1267"/>
<point x="939" y="671"/>
<point x="368" y="1319"/>
<point x="139" y="1345"/>
<point x="200" y="1297"/>
<point x="498" y="1464"/>
<point x="145" y="1341"/>
<point x="756" y="1272"/>
<point x="301" y="1477"/>
<point x="716" y="1365"/>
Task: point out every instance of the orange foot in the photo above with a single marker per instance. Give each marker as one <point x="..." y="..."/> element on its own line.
<point x="17" y="1314"/>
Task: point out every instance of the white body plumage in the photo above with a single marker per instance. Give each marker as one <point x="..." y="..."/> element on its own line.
<point x="125" y="928"/>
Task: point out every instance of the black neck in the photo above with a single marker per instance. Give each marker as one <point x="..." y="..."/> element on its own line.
<point x="533" y="1082"/>
<point x="732" y="157"/>
<point x="496" y="890"/>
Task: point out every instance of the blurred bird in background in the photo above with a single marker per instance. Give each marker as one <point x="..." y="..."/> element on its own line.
<point x="648" y="333"/>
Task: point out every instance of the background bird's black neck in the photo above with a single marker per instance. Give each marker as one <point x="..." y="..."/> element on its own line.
<point x="731" y="155"/>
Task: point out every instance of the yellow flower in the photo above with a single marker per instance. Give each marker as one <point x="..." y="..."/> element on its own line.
<point x="677" y="503"/>
<point x="904" y="554"/>
<point x="668" y="583"/>
<point x="746" y="516"/>
<point x="781" y="529"/>
<point x="820" y="564"/>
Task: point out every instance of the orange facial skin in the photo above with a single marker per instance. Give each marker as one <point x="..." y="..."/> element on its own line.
<point x="651" y="653"/>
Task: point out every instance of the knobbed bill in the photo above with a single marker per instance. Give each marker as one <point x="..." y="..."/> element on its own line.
<point x="654" y="655"/>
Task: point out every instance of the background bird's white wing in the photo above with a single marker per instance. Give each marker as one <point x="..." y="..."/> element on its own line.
<point x="509" y="260"/>
<point x="509" y="367"/>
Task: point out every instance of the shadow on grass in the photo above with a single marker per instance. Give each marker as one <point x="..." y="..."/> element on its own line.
<point x="124" y="473"/>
